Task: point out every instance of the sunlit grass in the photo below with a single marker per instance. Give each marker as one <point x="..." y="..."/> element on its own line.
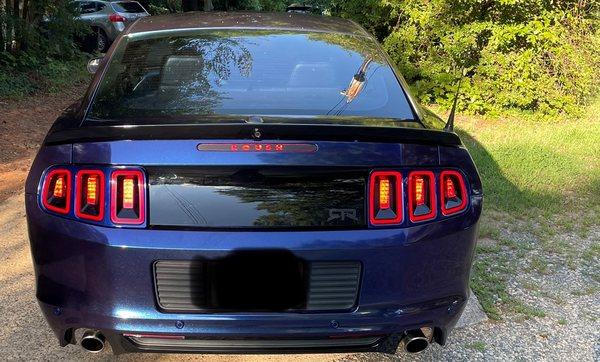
<point x="540" y="178"/>
<point x="537" y="167"/>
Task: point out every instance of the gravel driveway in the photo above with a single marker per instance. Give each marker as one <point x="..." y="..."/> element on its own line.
<point x="568" y="293"/>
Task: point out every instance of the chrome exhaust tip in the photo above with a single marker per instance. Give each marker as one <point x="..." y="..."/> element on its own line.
<point x="417" y="340"/>
<point x="92" y="341"/>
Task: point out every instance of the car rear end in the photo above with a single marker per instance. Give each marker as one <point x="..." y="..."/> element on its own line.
<point x="248" y="219"/>
<point x="122" y="13"/>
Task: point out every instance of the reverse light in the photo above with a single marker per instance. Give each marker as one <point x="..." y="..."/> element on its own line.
<point x="127" y="197"/>
<point x="385" y="198"/>
<point x="421" y="196"/>
<point x="89" y="195"/>
<point x="56" y="191"/>
<point x="116" y="18"/>
<point x="453" y="192"/>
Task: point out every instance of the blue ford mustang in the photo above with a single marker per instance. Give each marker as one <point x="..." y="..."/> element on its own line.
<point x="251" y="183"/>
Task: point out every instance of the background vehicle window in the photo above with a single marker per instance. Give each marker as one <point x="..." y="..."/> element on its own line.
<point x="87" y="7"/>
<point x="100" y="6"/>
<point x="250" y="73"/>
<point x="128" y="7"/>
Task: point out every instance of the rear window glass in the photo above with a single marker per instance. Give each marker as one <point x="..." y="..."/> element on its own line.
<point x="261" y="73"/>
<point x="128" y="7"/>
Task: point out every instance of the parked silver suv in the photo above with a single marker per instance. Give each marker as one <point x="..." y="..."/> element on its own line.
<point x="108" y="18"/>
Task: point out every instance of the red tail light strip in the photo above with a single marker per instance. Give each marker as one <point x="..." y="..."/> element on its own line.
<point x="453" y="192"/>
<point x="89" y="195"/>
<point x="127" y="197"/>
<point x="259" y="147"/>
<point x="56" y="191"/>
<point x="422" y="204"/>
<point x="116" y="18"/>
<point x="385" y="198"/>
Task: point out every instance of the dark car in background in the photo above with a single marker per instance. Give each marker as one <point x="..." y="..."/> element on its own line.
<point x="108" y="19"/>
<point x="251" y="183"/>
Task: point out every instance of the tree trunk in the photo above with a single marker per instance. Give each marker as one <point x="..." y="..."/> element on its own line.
<point x="189" y="5"/>
<point x="16" y="25"/>
<point x="2" y="26"/>
<point x="25" y="10"/>
<point x="208" y="5"/>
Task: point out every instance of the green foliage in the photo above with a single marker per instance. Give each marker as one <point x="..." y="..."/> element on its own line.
<point x="160" y="7"/>
<point x="37" y="46"/>
<point x="50" y="77"/>
<point x="374" y="15"/>
<point x="527" y="55"/>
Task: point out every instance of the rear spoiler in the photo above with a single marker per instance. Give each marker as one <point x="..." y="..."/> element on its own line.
<point x="310" y="132"/>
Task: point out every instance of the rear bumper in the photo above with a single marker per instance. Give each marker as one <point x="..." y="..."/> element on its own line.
<point x="95" y="277"/>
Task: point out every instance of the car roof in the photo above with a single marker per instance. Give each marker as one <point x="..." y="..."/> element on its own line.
<point x="246" y="20"/>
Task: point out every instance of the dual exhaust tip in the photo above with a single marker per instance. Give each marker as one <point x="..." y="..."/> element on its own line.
<point x="93" y="341"/>
<point x="414" y="341"/>
<point x="417" y="340"/>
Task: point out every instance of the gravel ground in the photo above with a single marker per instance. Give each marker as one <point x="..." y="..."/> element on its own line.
<point x="564" y="285"/>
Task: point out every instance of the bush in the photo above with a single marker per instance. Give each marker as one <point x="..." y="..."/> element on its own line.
<point x="527" y="55"/>
<point x="51" y="76"/>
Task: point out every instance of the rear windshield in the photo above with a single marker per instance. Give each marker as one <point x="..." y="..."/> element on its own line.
<point x="247" y="73"/>
<point x="128" y="7"/>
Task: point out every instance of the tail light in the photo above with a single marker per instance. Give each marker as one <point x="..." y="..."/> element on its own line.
<point x="56" y="191"/>
<point x="127" y="204"/>
<point x="421" y="196"/>
<point x="385" y="197"/>
<point x="453" y="192"/>
<point x="89" y="195"/>
<point x="116" y="18"/>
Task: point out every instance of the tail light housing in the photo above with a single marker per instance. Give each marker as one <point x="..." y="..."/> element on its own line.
<point x="421" y="196"/>
<point x="385" y="198"/>
<point x="89" y="195"/>
<point x="453" y="192"/>
<point x="116" y="18"/>
<point x="56" y="191"/>
<point x="128" y="195"/>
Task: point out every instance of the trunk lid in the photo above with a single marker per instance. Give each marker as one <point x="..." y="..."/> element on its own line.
<point x="191" y="187"/>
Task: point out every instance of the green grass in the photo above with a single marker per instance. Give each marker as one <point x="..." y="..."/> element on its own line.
<point x="477" y="346"/>
<point x="533" y="168"/>
<point x="540" y="179"/>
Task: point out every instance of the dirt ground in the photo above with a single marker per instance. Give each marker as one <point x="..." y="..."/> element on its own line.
<point x="23" y="125"/>
<point x="24" y="334"/>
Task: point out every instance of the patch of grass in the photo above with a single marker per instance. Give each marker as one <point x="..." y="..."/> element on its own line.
<point x="489" y="282"/>
<point x="587" y="291"/>
<point x="539" y="265"/>
<point x="592" y="253"/>
<point x="562" y="321"/>
<point x="487" y="230"/>
<point x="477" y="346"/>
<point x="526" y="310"/>
<point x="540" y="179"/>
<point x="531" y="168"/>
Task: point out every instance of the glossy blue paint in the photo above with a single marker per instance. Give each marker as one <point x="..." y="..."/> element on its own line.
<point x="101" y="277"/>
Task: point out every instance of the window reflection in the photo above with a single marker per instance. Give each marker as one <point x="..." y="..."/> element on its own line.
<point x="249" y="73"/>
